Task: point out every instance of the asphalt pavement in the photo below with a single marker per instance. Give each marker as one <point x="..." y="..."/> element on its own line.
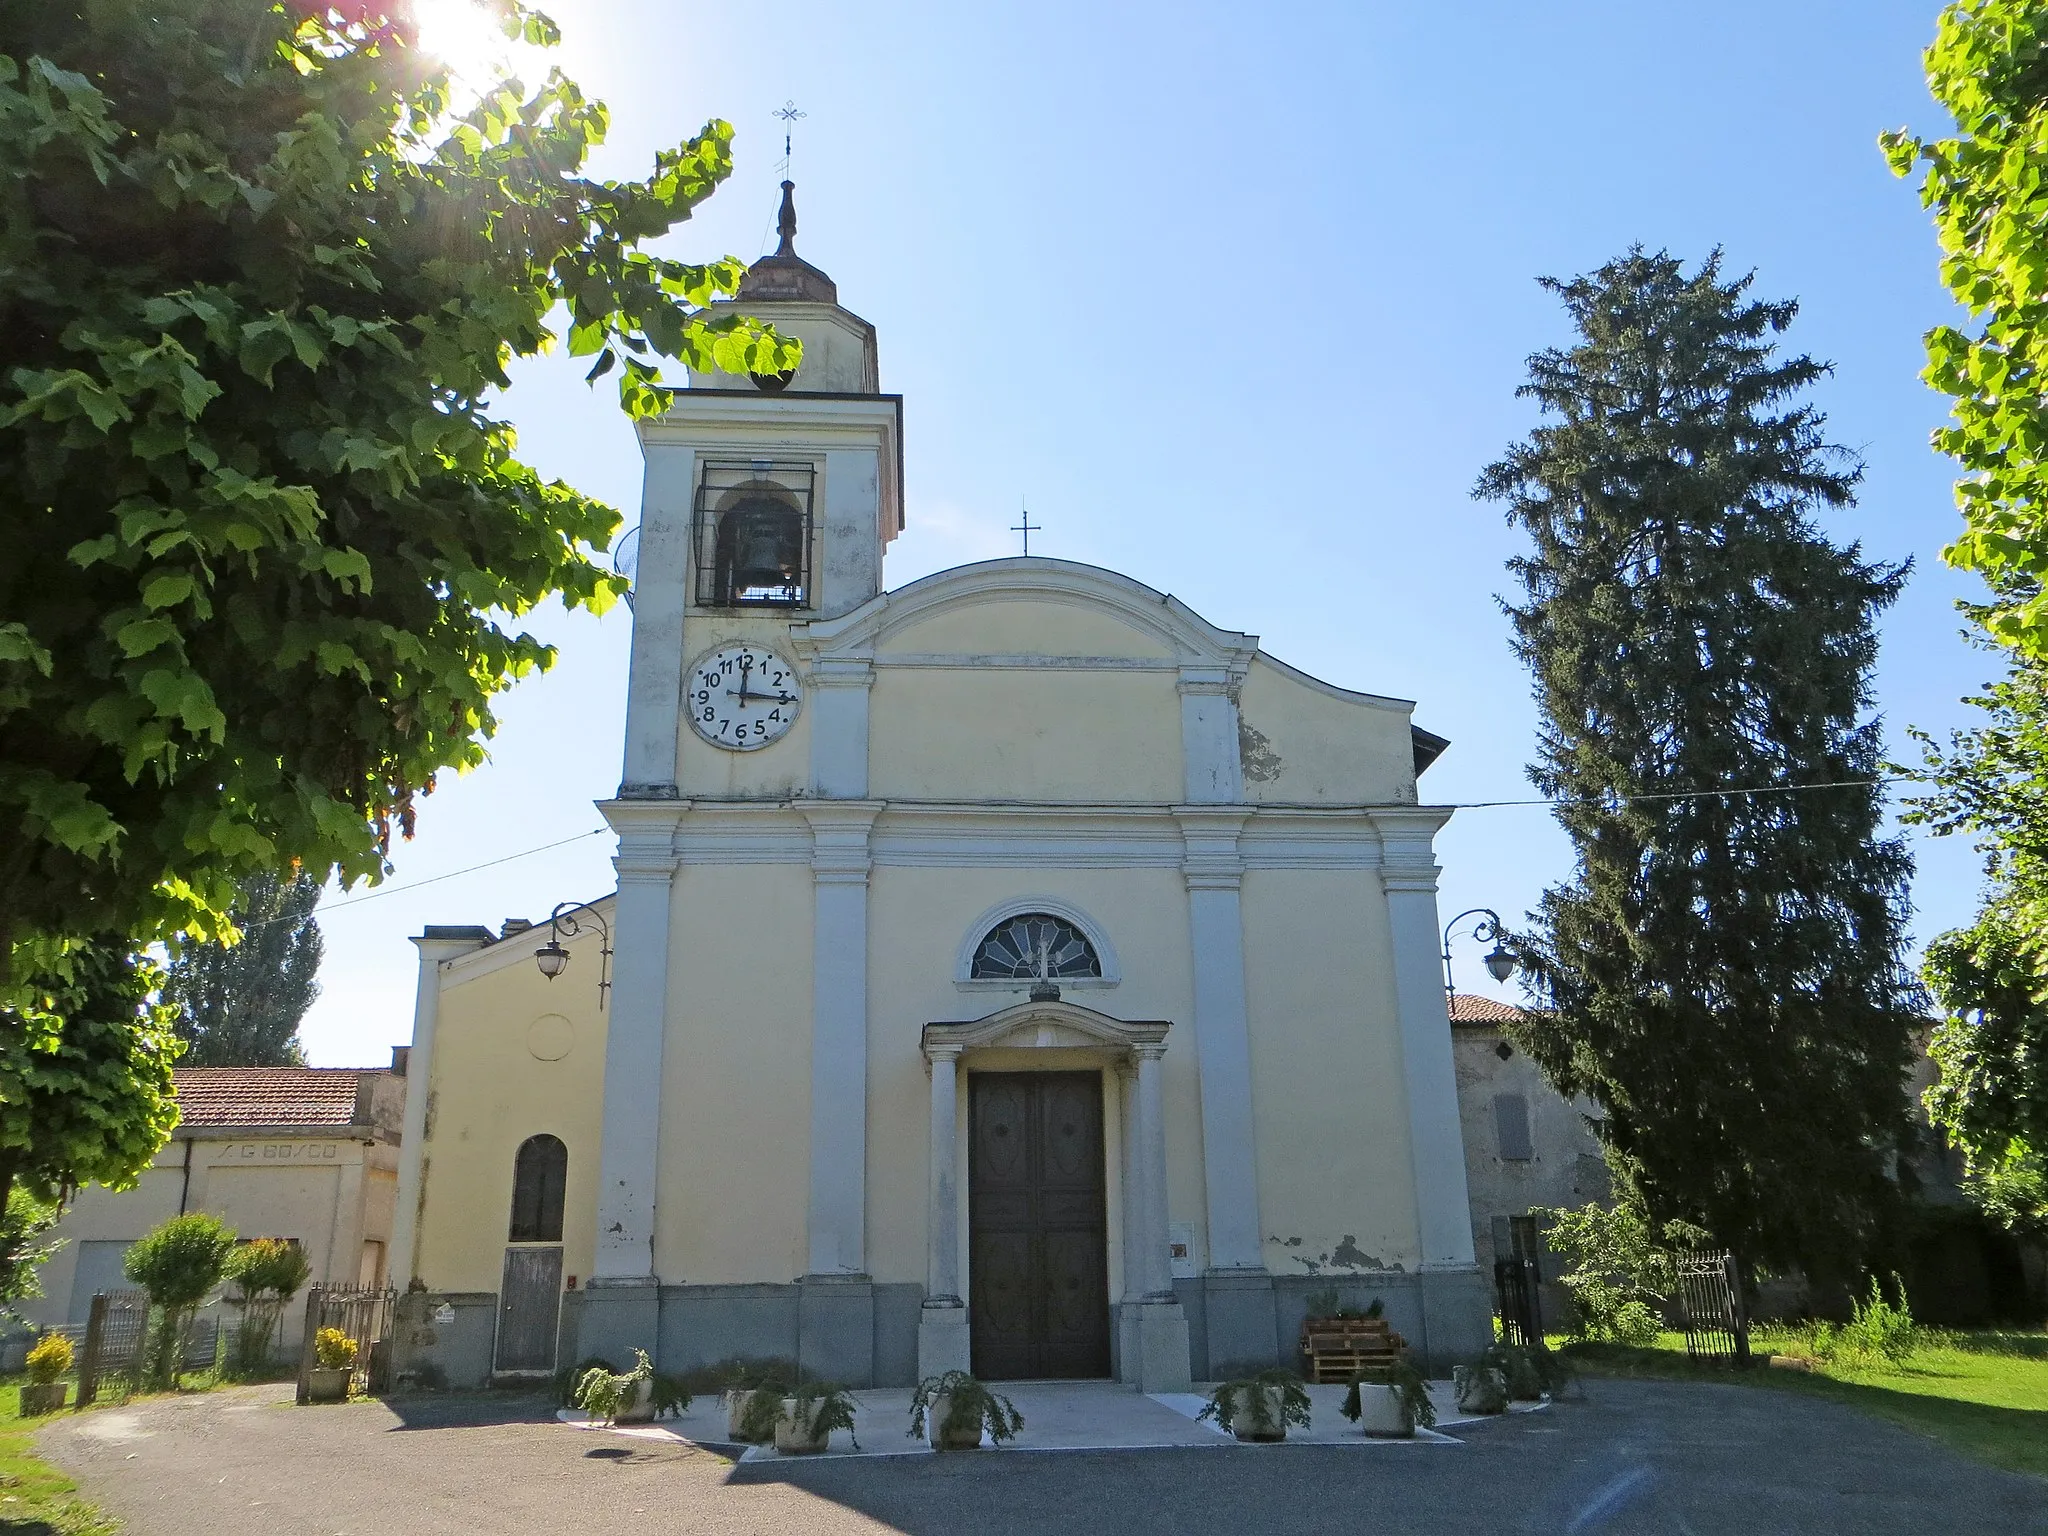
<point x="1627" y="1457"/>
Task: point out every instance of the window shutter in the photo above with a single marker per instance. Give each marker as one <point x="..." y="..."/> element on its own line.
<point x="1511" y="1126"/>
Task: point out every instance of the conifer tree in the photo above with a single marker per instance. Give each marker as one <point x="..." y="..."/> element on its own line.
<point x="240" y="1005"/>
<point x="1723" y="972"/>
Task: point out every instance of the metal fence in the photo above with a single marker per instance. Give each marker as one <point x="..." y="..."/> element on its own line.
<point x="365" y="1314"/>
<point x="116" y="1331"/>
<point x="1515" y="1283"/>
<point x="1710" y="1299"/>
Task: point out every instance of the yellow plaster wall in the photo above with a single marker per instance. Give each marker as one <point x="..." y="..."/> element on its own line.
<point x="490" y="1093"/>
<point x="917" y="918"/>
<point x="1328" y="1100"/>
<point x="1034" y="735"/>
<point x="734" y="1179"/>
<point x="997" y="626"/>
<point x="1305" y="746"/>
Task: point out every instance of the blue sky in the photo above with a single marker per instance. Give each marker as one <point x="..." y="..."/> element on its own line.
<point x="1238" y="299"/>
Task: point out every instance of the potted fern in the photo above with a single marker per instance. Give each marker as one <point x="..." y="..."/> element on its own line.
<point x="753" y="1399"/>
<point x="44" y="1392"/>
<point x="954" y="1410"/>
<point x="1259" y="1408"/>
<point x="328" y="1381"/>
<point x="637" y="1396"/>
<point x="1390" y="1403"/>
<point x="1527" y="1373"/>
<point x="1481" y="1388"/>
<point x="808" y="1417"/>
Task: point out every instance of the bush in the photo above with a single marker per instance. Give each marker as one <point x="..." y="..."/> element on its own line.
<point x="179" y="1263"/>
<point x="266" y="1274"/>
<point x="49" y="1360"/>
<point x="1618" y="1269"/>
<point x="1877" y="1330"/>
<point x="335" y="1350"/>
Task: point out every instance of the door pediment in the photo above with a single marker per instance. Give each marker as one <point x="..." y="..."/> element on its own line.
<point x="1046" y="1026"/>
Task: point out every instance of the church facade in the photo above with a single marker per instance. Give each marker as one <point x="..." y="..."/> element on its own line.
<point x="1014" y="971"/>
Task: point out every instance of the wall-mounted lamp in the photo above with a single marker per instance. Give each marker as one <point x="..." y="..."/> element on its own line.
<point x="553" y="959"/>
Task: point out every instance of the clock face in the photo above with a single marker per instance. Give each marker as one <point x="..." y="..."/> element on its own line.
<point x="742" y="696"/>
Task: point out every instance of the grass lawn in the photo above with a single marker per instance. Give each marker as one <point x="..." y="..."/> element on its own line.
<point x="1985" y="1394"/>
<point x="35" y="1498"/>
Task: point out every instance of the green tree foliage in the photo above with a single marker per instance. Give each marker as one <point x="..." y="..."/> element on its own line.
<point x="1618" y="1272"/>
<point x="266" y="543"/>
<point x="23" y="1221"/>
<point x="239" y="1005"/>
<point x="85" y="1074"/>
<point x="1988" y="67"/>
<point x="1990" y="1097"/>
<point x="179" y="1262"/>
<point x="1723" y="973"/>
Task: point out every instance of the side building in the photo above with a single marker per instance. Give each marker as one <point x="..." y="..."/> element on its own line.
<point x="304" y="1153"/>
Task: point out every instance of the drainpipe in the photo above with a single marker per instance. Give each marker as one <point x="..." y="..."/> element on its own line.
<point x="185" y="1190"/>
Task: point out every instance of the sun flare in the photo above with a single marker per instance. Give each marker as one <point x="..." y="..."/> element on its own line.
<point x="464" y="35"/>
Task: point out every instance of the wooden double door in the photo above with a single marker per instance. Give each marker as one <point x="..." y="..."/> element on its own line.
<point x="1038" y="1248"/>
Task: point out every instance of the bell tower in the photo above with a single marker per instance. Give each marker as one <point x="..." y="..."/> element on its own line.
<point x="768" y="500"/>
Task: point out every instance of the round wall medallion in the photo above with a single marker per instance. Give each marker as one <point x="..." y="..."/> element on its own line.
<point x="549" y="1037"/>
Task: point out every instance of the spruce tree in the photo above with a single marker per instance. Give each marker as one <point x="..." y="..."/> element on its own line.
<point x="1723" y="973"/>
<point x="240" y="1005"/>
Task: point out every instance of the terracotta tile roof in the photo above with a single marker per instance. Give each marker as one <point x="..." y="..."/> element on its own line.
<point x="1467" y="1009"/>
<point x="267" y="1095"/>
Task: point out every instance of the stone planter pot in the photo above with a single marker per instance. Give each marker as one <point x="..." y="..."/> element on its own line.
<point x="1247" y="1431"/>
<point x="735" y="1410"/>
<point x="637" y="1407"/>
<point x="1383" y="1413"/>
<point x="43" y="1398"/>
<point x="942" y="1440"/>
<point x="1481" y="1389"/>
<point x="797" y="1437"/>
<point x="328" y="1386"/>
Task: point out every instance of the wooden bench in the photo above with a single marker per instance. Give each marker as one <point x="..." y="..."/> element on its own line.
<point x="1336" y="1349"/>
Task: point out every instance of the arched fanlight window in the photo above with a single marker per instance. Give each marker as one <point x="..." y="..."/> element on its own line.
<point x="760" y="552"/>
<point x="1015" y="948"/>
<point x="540" y="1183"/>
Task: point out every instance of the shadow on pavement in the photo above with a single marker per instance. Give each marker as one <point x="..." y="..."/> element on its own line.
<point x="467" y="1410"/>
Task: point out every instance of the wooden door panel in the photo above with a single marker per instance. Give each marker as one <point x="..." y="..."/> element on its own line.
<point x="1038" y="1245"/>
<point x="529" y="1309"/>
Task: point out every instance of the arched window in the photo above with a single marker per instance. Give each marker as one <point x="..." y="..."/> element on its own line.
<point x="760" y="556"/>
<point x="540" y="1181"/>
<point x="1017" y="947"/>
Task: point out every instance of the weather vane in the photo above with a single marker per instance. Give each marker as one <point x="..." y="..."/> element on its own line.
<point x="1027" y="528"/>
<point x="789" y="112"/>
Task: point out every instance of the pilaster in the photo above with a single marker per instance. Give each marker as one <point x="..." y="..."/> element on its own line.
<point x="629" y="1151"/>
<point x="943" y="1343"/>
<point x="839" y="1035"/>
<point x="1408" y="873"/>
<point x="434" y="951"/>
<point x="1208" y="734"/>
<point x="1215" y="873"/>
<point x="839" y="688"/>
<point x="654" y="680"/>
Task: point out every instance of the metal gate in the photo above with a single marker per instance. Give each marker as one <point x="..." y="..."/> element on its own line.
<point x="114" y="1340"/>
<point x="529" y="1309"/>
<point x="1710" y="1296"/>
<point x="112" y="1352"/>
<point x="1515" y="1297"/>
<point x="365" y="1314"/>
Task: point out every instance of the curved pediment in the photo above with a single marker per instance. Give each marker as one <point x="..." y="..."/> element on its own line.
<point x="1162" y="623"/>
<point x="1046" y="1026"/>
